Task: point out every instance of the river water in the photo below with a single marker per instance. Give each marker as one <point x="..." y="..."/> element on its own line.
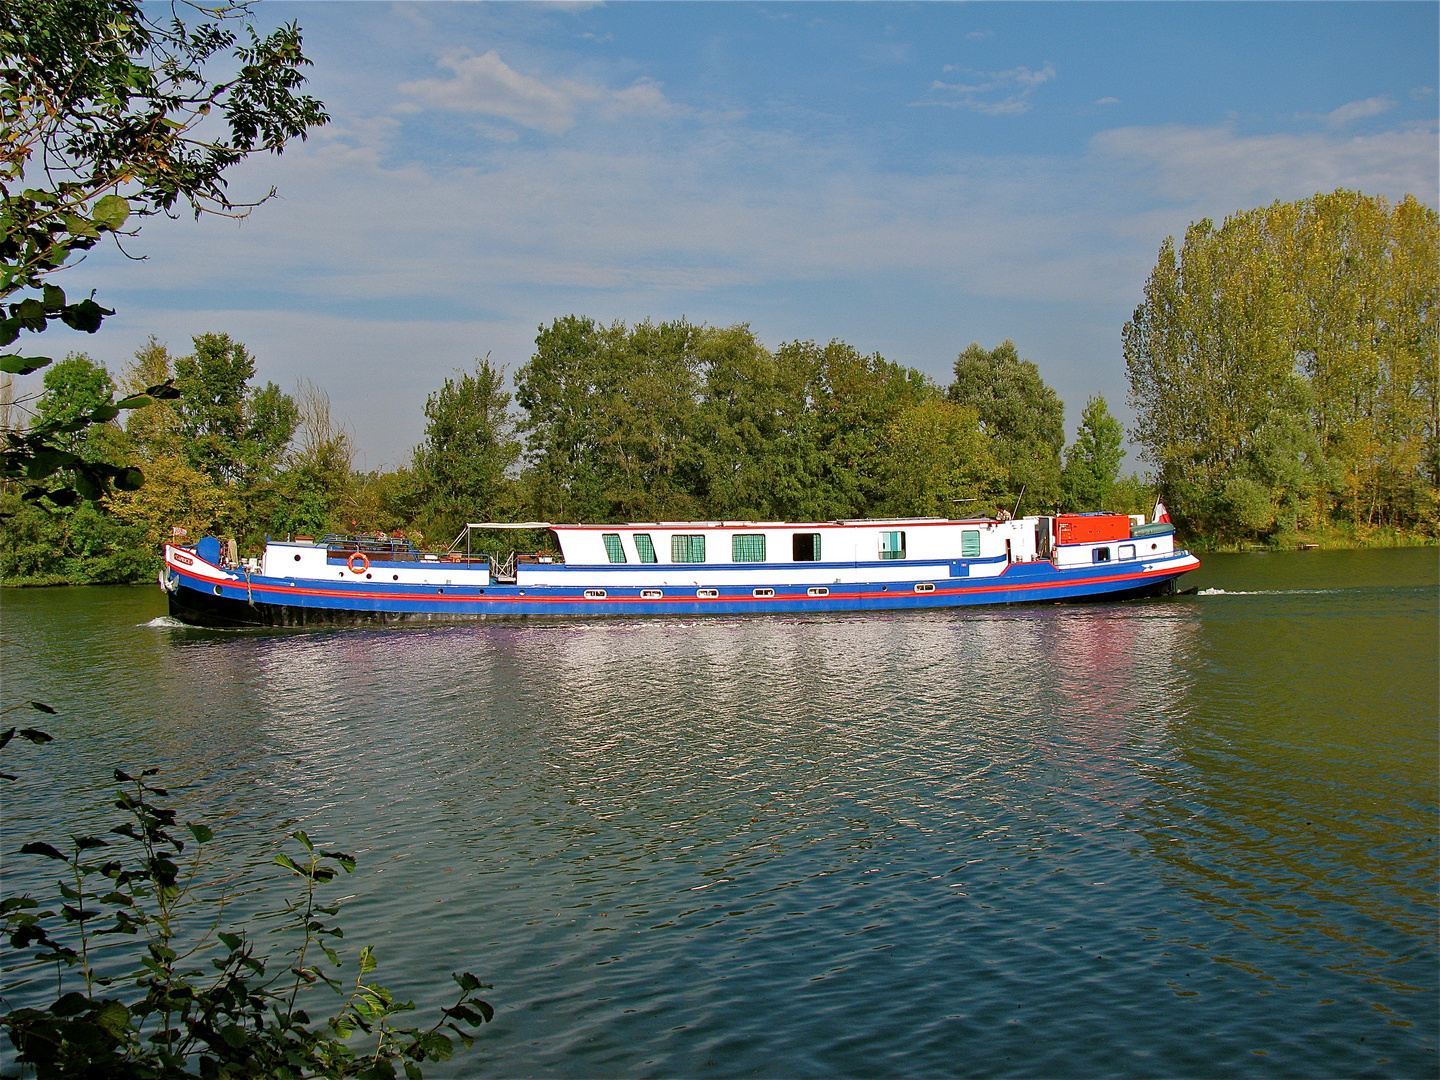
<point x="1185" y="837"/>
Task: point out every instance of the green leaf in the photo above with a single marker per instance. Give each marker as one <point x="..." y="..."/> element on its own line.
<point x="129" y="479"/>
<point x="54" y="298"/>
<point x="299" y="834"/>
<point x="85" y="316"/>
<point x="40" y="706"/>
<point x="87" y="488"/>
<point x="39" y="848"/>
<point x="23" y="365"/>
<point x="71" y="1004"/>
<point x="231" y="941"/>
<point x="110" y="212"/>
<point x="104" y="414"/>
<point x="47" y="462"/>
<point x="284" y="860"/>
<point x="202" y="833"/>
<point x="163" y="391"/>
<point x="113" y="1018"/>
<point x="85" y="843"/>
<point x="135" y="401"/>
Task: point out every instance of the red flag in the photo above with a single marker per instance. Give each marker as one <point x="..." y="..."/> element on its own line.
<point x="1161" y="514"/>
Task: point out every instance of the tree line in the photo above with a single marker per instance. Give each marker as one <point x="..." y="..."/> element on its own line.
<point x="655" y="421"/>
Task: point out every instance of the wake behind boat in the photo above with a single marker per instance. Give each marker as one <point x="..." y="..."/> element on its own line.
<point x="680" y="568"/>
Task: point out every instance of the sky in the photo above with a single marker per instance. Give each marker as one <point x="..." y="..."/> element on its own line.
<point x="906" y="178"/>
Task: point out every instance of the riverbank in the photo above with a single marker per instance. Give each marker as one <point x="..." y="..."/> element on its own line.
<point x="1336" y="539"/>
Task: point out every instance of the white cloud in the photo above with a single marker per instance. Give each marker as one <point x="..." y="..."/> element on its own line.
<point x="980" y="35"/>
<point x="1108" y="101"/>
<point x="995" y="93"/>
<point x="1346" y="115"/>
<point x="487" y="85"/>
<point x="1223" y="171"/>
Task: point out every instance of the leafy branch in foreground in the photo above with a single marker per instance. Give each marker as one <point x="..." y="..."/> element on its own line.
<point x="109" y="115"/>
<point x="188" y="999"/>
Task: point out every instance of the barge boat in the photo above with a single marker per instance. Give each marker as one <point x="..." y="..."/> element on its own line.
<point x="680" y="568"/>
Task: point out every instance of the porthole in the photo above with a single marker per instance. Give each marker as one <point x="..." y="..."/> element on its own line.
<point x="818" y="590"/>
<point x="395" y="577"/>
<point x="763" y="594"/>
<point x="367" y="577"/>
<point x="595" y="594"/>
<point x="707" y="594"/>
<point x="924" y="586"/>
<point x="297" y="558"/>
<point x="651" y="594"/>
<point x="217" y="590"/>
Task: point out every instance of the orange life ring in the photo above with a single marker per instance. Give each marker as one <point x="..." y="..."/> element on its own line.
<point x="364" y="563"/>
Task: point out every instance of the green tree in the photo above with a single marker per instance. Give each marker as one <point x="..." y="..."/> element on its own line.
<point x="937" y="462"/>
<point x="610" y="417"/>
<point x="235" y="432"/>
<point x="1293" y="351"/>
<point x="1023" y="415"/>
<point x="462" y="466"/>
<point x="1092" y="461"/>
<point x="110" y="116"/>
<point x="742" y="426"/>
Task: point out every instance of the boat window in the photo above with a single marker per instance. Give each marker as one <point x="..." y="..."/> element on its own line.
<point x="1101" y="554"/>
<point x="707" y="594"/>
<point x="763" y="594"/>
<point x="1127" y="551"/>
<point x="650" y="594"/>
<point x="613" y="547"/>
<point x="925" y="586"/>
<point x="747" y="547"/>
<point x="817" y="590"/>
<point x="595" y="594"/>
<point x="970" y="543"/>
<point x="892" y="545"/>
<point x="686" y="547"/>
<point x="644" y="548"/>
<point x="805" y="547"/>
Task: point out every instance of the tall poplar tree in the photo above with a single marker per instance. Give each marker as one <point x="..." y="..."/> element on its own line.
<point x="1283" y="367"/>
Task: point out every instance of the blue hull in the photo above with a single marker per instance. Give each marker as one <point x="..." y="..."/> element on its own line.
<point x="276" y="602"/>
